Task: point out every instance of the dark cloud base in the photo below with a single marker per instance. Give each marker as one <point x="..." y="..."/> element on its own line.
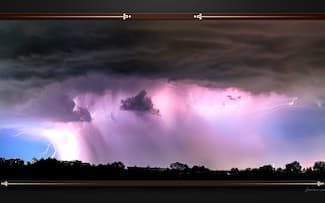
<point x="256" y="56"/>
<point x="230" y="53"/>
<point x="139" y="103"/>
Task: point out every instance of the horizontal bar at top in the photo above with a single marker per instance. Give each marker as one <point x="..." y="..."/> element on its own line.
<point x="161" y="6"/>
<point x="164" y="16"/>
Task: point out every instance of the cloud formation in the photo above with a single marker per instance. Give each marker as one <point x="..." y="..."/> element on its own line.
<point x="139" y="103"/>
<point x="275" y="54"/>
<point x="54" y="105"/>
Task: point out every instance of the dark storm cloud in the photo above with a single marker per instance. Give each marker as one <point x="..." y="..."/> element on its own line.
<point x="139" y="103"/>
<point x="58" y="101"/>
<point x="54" y="105"/>
<point x="259" y="56"/>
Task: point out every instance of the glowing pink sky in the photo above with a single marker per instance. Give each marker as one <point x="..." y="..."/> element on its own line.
<point x="219" y="128"/>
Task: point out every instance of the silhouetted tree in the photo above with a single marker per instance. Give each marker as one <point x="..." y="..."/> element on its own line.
<point x="234" y="171"/>
<point x="118" y="165"/>
<point x="2" y="162"/>
<point x="179" y="166"/>
<point x="199" y="170"/>
<point x="293" y="168"/>
<point x="319" y="166"/>
<point x="267" y="170"/>
<point x="54" y="169"/>
<point x="34" y="160"/>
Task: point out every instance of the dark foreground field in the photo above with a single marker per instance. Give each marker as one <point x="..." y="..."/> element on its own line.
<point x="193" y="194"/>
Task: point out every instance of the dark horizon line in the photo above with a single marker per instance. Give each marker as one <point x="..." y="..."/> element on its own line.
<point x="153" y="167"/>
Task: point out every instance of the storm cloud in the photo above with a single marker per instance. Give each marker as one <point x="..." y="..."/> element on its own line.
<point x="53" y="105"/>
<point x="278" y="55"/>
<point x="140" y="103"/>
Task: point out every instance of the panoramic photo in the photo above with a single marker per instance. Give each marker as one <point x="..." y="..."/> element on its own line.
<point x="162" y="99"/>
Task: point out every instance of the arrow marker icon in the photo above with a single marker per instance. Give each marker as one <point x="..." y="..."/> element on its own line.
<point x="4" y="183"/>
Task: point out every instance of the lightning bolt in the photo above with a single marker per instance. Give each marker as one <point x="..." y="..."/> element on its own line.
<point x="18" y="134"/>
<point x="54" y="152"/>
<point x="291" y="104"/>
<point x="46" y="150"/>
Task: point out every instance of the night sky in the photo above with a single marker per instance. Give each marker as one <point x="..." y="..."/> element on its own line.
<point x="220" y="93"/>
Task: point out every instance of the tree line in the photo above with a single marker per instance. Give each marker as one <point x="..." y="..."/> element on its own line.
<point x="54" y="169"/>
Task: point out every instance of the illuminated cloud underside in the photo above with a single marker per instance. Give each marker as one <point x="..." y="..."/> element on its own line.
<point x="220" y="128"/>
